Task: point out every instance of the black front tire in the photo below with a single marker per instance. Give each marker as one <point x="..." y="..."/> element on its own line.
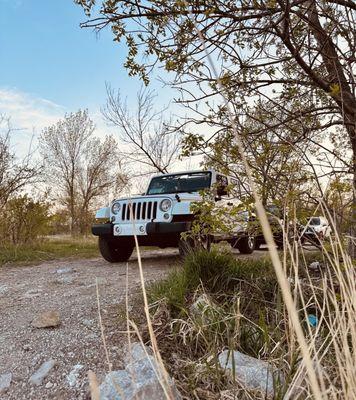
<point x="245" y="244"/>
<point x="116" y="250"/>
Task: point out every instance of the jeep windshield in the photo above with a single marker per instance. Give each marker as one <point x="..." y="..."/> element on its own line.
<point x="180" y="183"/>
<point x="314" y="221"/>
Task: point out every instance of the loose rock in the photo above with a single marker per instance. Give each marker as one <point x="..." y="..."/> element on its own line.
<point x="3" y="289"/>
<point x="65" y="279"/>
<point x="315" y="265"/>
<point x="138" y="381"/>
<point x="5" y="381"/>
<point x="88" y="323"/>
<point x="47" y="319"/>
<point x="42" y="372"/>
<point x="253" y="374"/>
<point x="64" y="270"/>
<point x="73" y="375"/>
<point x="49" y="385"/>
<point x="32" y="293"/>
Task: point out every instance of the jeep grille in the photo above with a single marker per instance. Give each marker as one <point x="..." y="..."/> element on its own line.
<point x="141" y="210"/>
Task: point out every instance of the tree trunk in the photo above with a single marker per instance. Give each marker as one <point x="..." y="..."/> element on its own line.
<point x="343" y="97"/>
<point x="72" y="213"/>
<point x="352" y="246"/>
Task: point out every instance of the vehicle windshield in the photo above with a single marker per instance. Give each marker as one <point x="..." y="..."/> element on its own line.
<point x="314" y="221"/>
<point x="180" y="183"/>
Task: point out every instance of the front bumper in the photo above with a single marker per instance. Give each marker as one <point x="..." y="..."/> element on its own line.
<point x="101" y="229"/>
<point x="150" y="229"/>
<point x="167" y="227"/>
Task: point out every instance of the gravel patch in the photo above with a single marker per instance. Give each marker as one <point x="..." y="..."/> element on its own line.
<point x="53" y="362"/>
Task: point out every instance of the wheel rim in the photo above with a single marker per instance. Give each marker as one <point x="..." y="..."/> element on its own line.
<point x="250" y="242"/>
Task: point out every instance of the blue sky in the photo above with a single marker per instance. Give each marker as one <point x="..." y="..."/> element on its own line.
<point x="50" y="66"/>
<point x="49" y="61"/>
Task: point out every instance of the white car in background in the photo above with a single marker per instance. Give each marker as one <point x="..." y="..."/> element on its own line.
<point x="317" y="228"/>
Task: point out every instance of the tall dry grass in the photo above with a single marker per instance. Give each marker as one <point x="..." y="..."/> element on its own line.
<point x="331" y="295"/>
<point x="325" y="354"/>
<point x="328" y="293"/>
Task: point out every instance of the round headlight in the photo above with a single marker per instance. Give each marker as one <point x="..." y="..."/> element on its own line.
<point x="115" y="208"/>
<point x="165" y="205"/>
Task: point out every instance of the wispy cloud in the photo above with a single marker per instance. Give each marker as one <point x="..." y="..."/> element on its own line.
<point x="28" y="115"/>
<point x="28" y="112"/>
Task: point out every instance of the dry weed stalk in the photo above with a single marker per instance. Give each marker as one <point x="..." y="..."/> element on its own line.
<point x="93" y="386"/>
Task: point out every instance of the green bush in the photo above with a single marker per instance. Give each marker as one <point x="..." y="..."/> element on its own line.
<point x="23" y="220"/>
<point x="218" y="272"/>
<point x="173" y="289"/>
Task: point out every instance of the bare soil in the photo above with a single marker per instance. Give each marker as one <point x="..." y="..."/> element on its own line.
<point x="68" y="287"/>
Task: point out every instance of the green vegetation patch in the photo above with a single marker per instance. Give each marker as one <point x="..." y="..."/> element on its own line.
<point x="215" y="301"/>
<point x="48" y="249"/>
<point x="217" y="272"/>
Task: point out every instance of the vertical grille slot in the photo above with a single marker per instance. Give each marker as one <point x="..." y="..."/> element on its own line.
<point x="133" y="214"/>
<point x="128" y="212"/>
<point x="149" y="210"/>
<point x="144" y="205"/>
<point x="123" y="213"/>
<point x="154" y="210"/>
<point x="138" y="212"/>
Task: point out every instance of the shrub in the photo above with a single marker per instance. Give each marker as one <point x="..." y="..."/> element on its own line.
<point x="24" y="220"/>
<point x="217" y="272"/>
<point x="220" y="272"/>
<point x="173" y="289"/>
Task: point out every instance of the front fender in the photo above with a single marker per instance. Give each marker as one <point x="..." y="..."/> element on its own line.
<point x="103" y="213"/>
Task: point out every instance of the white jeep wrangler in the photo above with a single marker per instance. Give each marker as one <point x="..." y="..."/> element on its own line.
<point x="162" y="213"/>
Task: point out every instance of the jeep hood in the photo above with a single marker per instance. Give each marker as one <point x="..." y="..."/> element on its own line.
<point x="181" y="197"/>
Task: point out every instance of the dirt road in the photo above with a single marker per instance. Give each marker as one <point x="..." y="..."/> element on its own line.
<point x="68" y="287"/>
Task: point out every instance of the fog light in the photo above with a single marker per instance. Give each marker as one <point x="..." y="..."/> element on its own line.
<point x="141" y="229"/>
<point x="117" y="229"/>
<point x="166" y="216"/>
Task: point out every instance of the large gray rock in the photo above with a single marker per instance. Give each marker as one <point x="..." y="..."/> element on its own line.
<point x="138" y="381"/>
<point x="42" y="372"/>
<point x="5" y="381"/>
<point x="137" y="352"/>
<point x="251" y="373"/>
